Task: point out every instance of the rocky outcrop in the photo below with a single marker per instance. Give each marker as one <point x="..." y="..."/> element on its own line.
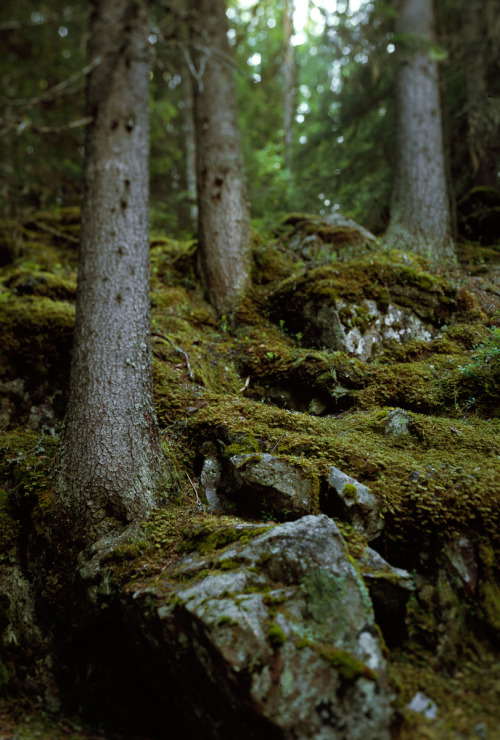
<point x="277" y="640"/>
<point x="363" y="305"/>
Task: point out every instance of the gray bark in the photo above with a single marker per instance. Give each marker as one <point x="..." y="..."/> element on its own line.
<point x="420" y="210"/>
<point x="111" y="462"/>
<point x="223" y="225"/>
<point x="190" y="143"/>
<point x="288" y="79"/>
<point x="481" y="39"/>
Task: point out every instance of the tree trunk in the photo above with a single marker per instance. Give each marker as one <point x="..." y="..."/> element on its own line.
<point x="479" y="29"/>
<point x="189" y="143"/>
<point x="111" y="462"/>
<point x="288" y="80"/>
<point x="223" y="221"/>
<point x="420" y="211"/>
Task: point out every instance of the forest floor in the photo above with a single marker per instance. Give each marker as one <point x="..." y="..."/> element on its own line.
<point x="265" y="383"/>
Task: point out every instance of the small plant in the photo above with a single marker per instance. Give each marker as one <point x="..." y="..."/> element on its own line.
<point x="484" y="369"/>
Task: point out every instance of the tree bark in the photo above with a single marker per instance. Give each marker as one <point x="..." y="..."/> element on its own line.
<point x="288" y="79"/>
<point x="223" y="220"/>
<point x="111" y="462"/>
<point x="190" y="143"/>
<point x="420" y="210"/>
<point x="480" y="27"/>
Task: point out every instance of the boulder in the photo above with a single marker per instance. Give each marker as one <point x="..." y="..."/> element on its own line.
<point x="278" y="640"/>
<point x="263" y="484"/>
<point x="353" y="502"/>
<point x="362" y="305"/>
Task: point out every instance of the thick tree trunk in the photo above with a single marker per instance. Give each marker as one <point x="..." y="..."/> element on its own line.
<point x="224" y="226"/>
<point x="111" y="461"/>
<point x="420" y="211"/>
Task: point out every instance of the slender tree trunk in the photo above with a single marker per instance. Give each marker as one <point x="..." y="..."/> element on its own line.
<point x="288" y="79"/>
<point x="111" y="462"/>
<point x="420" y="211"/>
<point x="190" y="143"/>
<point x="224" y="225"/>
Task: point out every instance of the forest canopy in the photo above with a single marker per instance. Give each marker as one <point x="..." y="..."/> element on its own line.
<point x="315" y="104"/>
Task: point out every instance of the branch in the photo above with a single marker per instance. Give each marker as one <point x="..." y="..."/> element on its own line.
<point x="65" y="17"/>
<point x="177" y="349"/>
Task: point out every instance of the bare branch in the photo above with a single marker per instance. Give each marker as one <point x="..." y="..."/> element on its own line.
<point x="66" y="17"/>
<point x="177" y="349"/>
<point x="57" y="90"/>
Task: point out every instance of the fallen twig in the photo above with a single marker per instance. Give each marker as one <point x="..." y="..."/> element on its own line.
<point x="177" y="349"/>
<point x="194" y="489"/>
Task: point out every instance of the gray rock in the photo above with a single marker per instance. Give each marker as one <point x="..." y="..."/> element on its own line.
<point x="278" y="640"/>
<point x="348" y="499"/>
<point x="423" y="705"/>
<point x="263" y="483"/>
<point x="397" y="423"/>
<point x="390" y="589"/>
<point x="210" y="479"/>
<point x="461" y="559"/>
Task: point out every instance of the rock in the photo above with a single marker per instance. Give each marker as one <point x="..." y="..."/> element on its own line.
<point x="352" y="501"/>
<point x="362" y="306"/>
<point x="209" y="480"/>
<point x="397" y="423"/>
<point x="277" y="641"/>
<point x="264" y="484"/>
<point x="423" y="705"/>
<point x="389" y="588"/>
<point x="461" y="558"/>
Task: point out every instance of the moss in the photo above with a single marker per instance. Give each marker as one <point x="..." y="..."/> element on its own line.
<point x="276" y="635"/>
<point x="229" y="564"/>
<point x="350" y="491"/>
<point x="37" y="335"/>
<point x="247" y="445"/>
<point x="225" y="620"/>
<point x="350" y="668"/>
<point x="127" y="551"/>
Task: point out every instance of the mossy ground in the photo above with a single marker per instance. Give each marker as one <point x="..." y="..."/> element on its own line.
<point x="253" y="387"/>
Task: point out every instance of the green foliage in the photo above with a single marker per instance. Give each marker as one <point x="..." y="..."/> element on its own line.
<point x="484" y="370"/>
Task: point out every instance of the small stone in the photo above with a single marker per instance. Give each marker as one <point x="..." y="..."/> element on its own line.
<point x="397" y="423"/>
<point x="423" y="705"/>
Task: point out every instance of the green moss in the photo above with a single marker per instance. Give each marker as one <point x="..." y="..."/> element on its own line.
<point x="350" y="491"/>
<point x="128" y="551"/>
<point x="229" y="564"/>
<point x="276" y="635"/>
<point x="350" y="668"/>
<point x="225" y="620"/>
<point x="247" y="445"/>
<point x="37" y="335"/>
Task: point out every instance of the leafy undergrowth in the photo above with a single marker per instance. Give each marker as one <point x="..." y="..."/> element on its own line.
<point x="253" y="387"/>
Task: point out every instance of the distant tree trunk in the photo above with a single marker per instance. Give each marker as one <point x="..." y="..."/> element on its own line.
<point x="224" y="223"/>
<point x="111" y="462"/>
<point x="420" y="210"/>
<point x="288" y="79"/>
<point x="190" y="143"/>
<point x="481" y="31"/>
